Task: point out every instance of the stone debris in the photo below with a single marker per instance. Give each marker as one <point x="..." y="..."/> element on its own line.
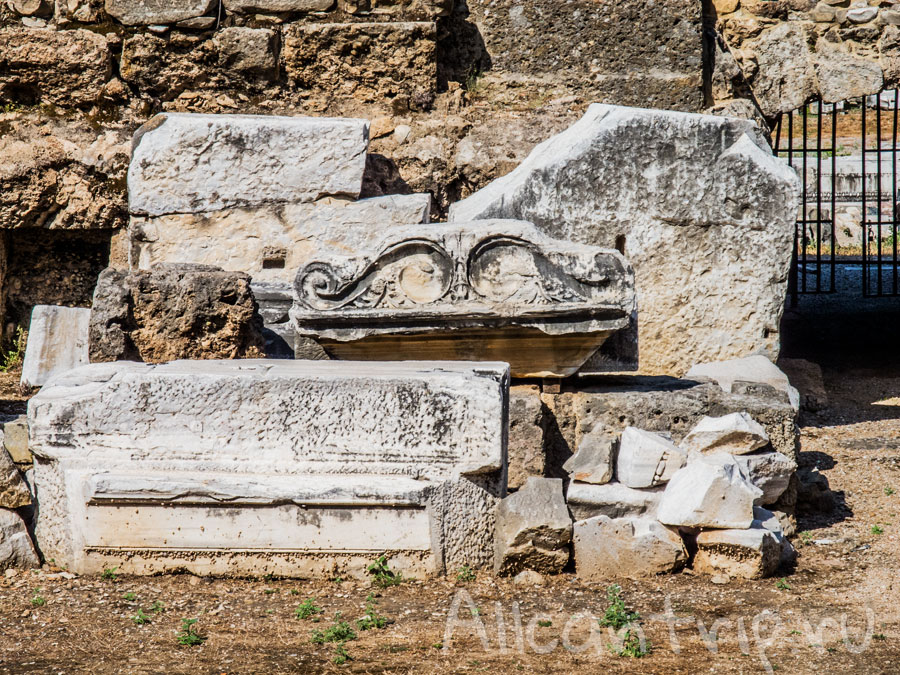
<point x="697" y="261"/>
<point x="526" y="455"/>
<point x="606" y="548"/>
<point x="533" y="529"/>
<point x="141" y="12"/>
<point x="613" y="500"/>
<point x="494" y="290"/>
<point x="528" y="578"/>
<point x="192" y="163"/>
<point x="708" y="494"/>
<point x="594" y="461"/>
<point x="751" y="553"/>
<point x="15" y="440"/>
<point x="174" y="312"/>
<point x="16" y="547"/>
<point x="647" y="459"/>
<point x="756" y="368"/>
<point x="57" y="342"/>
<point x="14" y="492"/>
<point x="769" y="471"/>
<point x="736" y="433"/>
<point x="301" y="467"/>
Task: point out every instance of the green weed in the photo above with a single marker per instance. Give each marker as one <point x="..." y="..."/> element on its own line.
<point x="140" y="618"/>
<point x="465" y="573"/>
<point x="37" y="600"/>
<point x="307" y="609"/>
<point x="188" y="634"/>
<point x="109" y="573"/>
<point x="383" y="576"/>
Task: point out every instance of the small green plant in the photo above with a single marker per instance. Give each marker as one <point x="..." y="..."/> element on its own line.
<point x="631" y="646"/>
<point x="340" y="655"/>
<point x="616" y="615"/>
<point x="372" y="619"/>
<point x="383" y="576"/>
<point x="795" y="632"/>
<point x="11" y="358"/>
<point x="157" y="607"/>
<point x="269" y="591"/>
<point x="188" y="634"/>
<point x="130" y="597"/>
<point x="140" y="618"/>
<point x="475" y="611"/>
<point x="782" y="585"/>
<point x="545" y="623"/>
<point x="881" y="637"/>
<point x="294" y="591"/>
<point x="37" y="600"/>
<point x="307" y="609"/>
<point x="465" y="573"/>
<point x="109" y="573"/>
<point x="338" y="580"/>
<point x="339" y="631"/>
<point x="888" y="490"/>
<point x="806" y="537"/>
<point x="877" y="529"/>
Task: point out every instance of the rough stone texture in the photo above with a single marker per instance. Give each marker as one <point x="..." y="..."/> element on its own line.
<point x="174" y="312"/>
<point x="746" y="553"/>
<point x="492" y="290"/>
<point x="595" y="459"/>
<point x="632" y="53"/>
<point x="736" y="433"/>
<point x="841" y="74"/>
<point x="700" y="206"/>
<point x="146" y="12"/>
<point x="14" y="492"/>
<point x="769" y="471"/>
<point x="254" y="467"/>
<point x="62" y="67"/>
<point x="606" y="548"/>
<point x="533" y="529"/>
<point x="15" y="440"/>
<point x="806" y="376"/>
<point x="250" y="6"/>
<point x="748" y="369"/>
<point x="708" y="494"/>
<point x="184" y="163"/>
<point x="388" y="60"/>
<point x="782" y="75"/>
<point x="526" y="435"/>
<point x="16" y="548"/>
<point x="613" y="500"/>
<point x="57" y="342"/>
<point x="248" y="50"/>
<point x="647" y="459"/>
<point x="269" y="242"/>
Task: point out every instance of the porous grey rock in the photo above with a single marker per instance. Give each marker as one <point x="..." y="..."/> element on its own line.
<point x="525" y="452"/>
<point x="16" y="547"/>
<point x="861" y="14"/>
<point x="245" y="50"/>
<point x="275" y="6"/>
<point x="174" y="312"/>
<point x="533" y="529"/>
<point x="298" y="467"/>
<point x="148" y="12"/>
<point x="613" y="500"/>
<point x="735" y="433"/>
<point x="14" y="492"/>
<point x="493" y="290"/>
<point x="696" y="202"/>
<point x="15" y="440"/>
<point x="841" y="74"/>
<point x="708" y="494"/>
<point x="782" y="77"/>
<point x="774" y="522"/>
<point x="191" y="163"/>
<point x="756" y="368"/>
<point x="57" y="342"/>
<point x="769" y="471"/>
<point x="751" y="553"/>
<point x="647" y="459"/>
<point x="595" y="459"/>
<point x="607" y="548"/>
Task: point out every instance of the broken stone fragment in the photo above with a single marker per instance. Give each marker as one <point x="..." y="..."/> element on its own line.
<point x="756" y="368"/>
<point x="191" y="163"/>
<point x="771" y="521"/>
<point x="611" y="499"/>
<point x="708" y="494"/>
<point x="15" y="440"/>
<point x="533" y="529"/>
<point x="16" y="547"/>
<point x="593" y="463"/>
<point x="57" y="342"/>
<point x="140" y="12"/>
<point x="647" y="459"/>
<point x="525" y="451"/>
<point x="625" y="547"/>
<point x="736" y="433"/>
<point x="751" y="553"/>
<point x="769" y="471"/>
<point x="14" y="492"/>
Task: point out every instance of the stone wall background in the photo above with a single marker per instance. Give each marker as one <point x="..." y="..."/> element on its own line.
<point x="458" y="92"/>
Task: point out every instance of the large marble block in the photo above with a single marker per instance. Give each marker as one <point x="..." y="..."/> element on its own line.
<point x="192" y="163"/>
<point x="486" y="290"/>
<point x="287" y="467"/>
<point x="57" y="342"/>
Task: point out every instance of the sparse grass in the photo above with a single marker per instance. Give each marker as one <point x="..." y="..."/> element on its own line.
<point x="620" y="619"/>
<point x="188" y="635"/>
<point x="339" y="631"/>
<point x="341" y="656"/>
<point x="157" y="607"/>
<point x="877" y="529"/>
<point x="881" y="637"/>
<point x="372" y="619"/>
<point x="545" y="623"/>
<point x="465" y="573"/>
<point x="109" y="573"/>
<point x="37" y="600"/>
<point x="383" y="576"/>
<point x="806" y="537"/>
<point x="888" y="490"/>
<point x="782" y="585"/>
<point x="308" y="609"/>
<point x="140" y="618"/>
<point x="130" y="597"/>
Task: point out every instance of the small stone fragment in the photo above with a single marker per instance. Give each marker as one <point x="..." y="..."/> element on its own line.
<point x="611" y="499"/>
<point x="533" y="529"/>
<point x="528" y="578"/>
<point x="769" y="471"/>
<point x="14" y="492"/>
<point x="757" y="368"/>
<point x="647" y="459"/>
<point x="16" y="548"/>
<point x="625" y="547"/>
<point x="57" y="342"/>
<point x="15" y="440"/>
<point x="593" y="462"/>
<point x="737" y="434"/>
<point x="708" y="494"/>
<point x="751" y="553"/>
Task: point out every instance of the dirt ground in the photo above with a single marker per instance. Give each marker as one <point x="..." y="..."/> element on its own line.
<point x="837" y="611"/>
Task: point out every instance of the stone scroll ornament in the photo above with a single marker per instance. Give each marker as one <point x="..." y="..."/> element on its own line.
<point x="486" y="290"/>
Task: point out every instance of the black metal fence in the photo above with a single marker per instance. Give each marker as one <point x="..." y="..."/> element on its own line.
<point x="846" y="156"/>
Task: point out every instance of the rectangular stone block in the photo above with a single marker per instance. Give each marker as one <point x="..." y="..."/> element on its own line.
<point x="287" y="467"/>
<point x="145" y="12"/>
<point x="57" y="342"/>
<point x="364" y="61"/>
<point x="191" y="163"/>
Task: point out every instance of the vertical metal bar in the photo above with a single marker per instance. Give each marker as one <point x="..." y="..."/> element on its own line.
<point x="894" y="189"/>
<point x="793" y="282"/>
<point x="834" y="120"/>
<point x="804" y="240"/>
<point x="878" y="182"/>
<point x="778" y="133"/>
<point x="819" y="199"/>
<point x="865" y="233"/>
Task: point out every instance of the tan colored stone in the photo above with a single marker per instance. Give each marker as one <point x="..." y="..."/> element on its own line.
<point x="14" y="492"/>
<point x="606" y="548"/>
<point x="751" y="553"/>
